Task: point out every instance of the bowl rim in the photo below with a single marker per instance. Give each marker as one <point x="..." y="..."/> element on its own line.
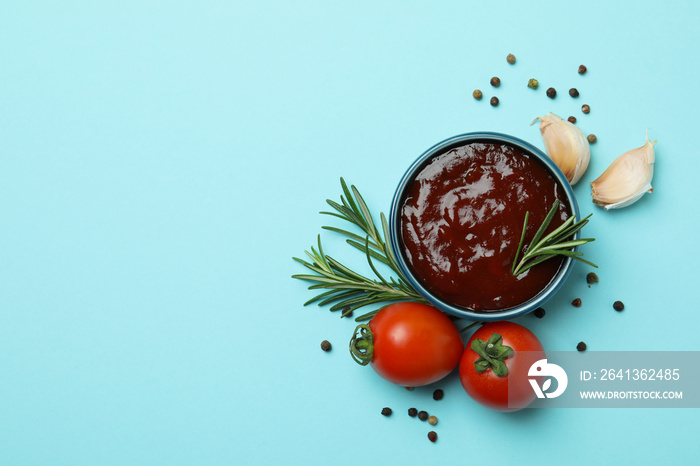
<point x="394" y="227"/>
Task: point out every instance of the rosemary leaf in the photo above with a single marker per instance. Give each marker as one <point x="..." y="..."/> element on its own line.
<point x="367" y="316"/>
<point x="573" y="229"/>
<point x="375" y="255"/>
<point x="374" y="269"/>
<point x="545" y="223"/>
<point x="343" y="287"/>
<point x="351" y="236"/>
<point x="556" y="243"/>
<point x="522" y="240"/>
<point x="564" y="245"/>
<point x="337" y="295"/>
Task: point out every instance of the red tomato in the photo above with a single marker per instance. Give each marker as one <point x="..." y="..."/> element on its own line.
<point x="414" y="344"/>
<point x="513" y="391"/>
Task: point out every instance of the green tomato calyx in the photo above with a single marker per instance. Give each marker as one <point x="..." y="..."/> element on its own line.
<point x="362" y="345"/>
<point x="493" y="354"/>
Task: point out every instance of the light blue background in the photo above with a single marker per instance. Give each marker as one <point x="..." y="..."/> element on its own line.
<point x="161" y="162"/>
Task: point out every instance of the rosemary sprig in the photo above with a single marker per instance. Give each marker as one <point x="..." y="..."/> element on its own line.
<point x="556" y="243"/>
<point x="346" y="289"/>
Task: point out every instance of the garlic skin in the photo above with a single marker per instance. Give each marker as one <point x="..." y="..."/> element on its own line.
<point x="566" y="145"/>
<point x="627" y="179"/>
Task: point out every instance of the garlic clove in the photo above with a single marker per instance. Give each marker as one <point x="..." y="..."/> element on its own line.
<point x="566" y="145"/>
<point x="626" y="180"/>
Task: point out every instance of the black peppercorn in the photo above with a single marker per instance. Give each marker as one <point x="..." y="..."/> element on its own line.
<point x="573" y="92"/>
<point x="576" y="302"/>
<point x="618" y="306"/>
<point x="347" y="312"/>
<point x="422" y="415"/>
<point x="494" y="101"/>
<point x="581" y="346"/>
<point x="386" y="412"/>
<point x="438" y="394"/>
<point x="510" y="58"/>
<point x="495" y="81"/>
<point x="432" y="436"/>
<point x="477" y="94"/>
<point x="326" y="345"/>
<point x="592" y="138"/>
<point x="539" y="312"/>
<point x="585" y="108"/>
<point x="582" y="69"/>
<point x="412" y="412"/>
<point x="551" y="93"/>
<point x="572" y="119"/>
<point x="591" y="278"/>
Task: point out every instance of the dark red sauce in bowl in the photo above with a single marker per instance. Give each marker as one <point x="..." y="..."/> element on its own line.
<point x="457" y="218"/>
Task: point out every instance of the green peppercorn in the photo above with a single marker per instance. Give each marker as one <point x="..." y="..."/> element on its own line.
<point x="510" y="58"/>
<point x="573" y="92"/>
<point x="494" y="101"/>
<point x="585" y="108"/>
<point x="495" y="81"/>
<point x="551" y="93"/>
<point x="477" y="94"/>
<point x="533" y="83"/>
<point x="592" y="138"/>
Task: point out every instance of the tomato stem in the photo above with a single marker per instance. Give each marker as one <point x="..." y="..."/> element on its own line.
<point x="493" y="354"/>
<point x="362" y="345"/>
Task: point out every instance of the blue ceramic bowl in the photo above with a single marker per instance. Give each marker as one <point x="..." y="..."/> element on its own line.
<point x="395" y="228"/>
